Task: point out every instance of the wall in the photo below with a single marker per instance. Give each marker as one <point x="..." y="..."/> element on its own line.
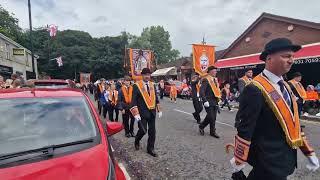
<point x="268" y="29"/>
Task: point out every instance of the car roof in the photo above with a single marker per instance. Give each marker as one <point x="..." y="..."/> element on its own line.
<point x="51" y="81"/>
<point x="40" y="92"/>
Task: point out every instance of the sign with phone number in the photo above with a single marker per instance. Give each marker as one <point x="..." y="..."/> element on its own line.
<point x="307" y="60"/>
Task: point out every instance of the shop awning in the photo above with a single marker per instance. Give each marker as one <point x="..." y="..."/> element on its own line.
<point x="165" y="72"/>
<point x="307" y="51"/>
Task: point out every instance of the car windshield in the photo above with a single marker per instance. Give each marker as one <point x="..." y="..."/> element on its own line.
<point x="30" y="123"/>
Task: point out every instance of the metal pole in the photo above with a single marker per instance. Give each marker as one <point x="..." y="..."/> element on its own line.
<point x="31" y="43"/>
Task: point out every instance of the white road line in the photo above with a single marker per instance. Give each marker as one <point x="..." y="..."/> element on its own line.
<point x="124" y="170"/>
<point x="192" y="115"/>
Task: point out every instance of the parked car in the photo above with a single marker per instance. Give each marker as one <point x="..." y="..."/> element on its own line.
<point x="54" y="134"/>
<point x="52" y="83"/>
<point x="181" y="88"/>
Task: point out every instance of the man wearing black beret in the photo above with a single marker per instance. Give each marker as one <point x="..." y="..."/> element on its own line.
<point x="268" y="133"/>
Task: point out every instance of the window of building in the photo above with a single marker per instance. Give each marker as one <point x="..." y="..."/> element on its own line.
<point x="7" y="50"/>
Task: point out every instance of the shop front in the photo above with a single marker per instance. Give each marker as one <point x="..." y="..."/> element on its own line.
<point x="307" y="61"/>
<point x="6" y="71"/>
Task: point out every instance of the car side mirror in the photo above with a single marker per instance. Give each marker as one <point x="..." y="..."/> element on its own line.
<point x="113" y="128"/>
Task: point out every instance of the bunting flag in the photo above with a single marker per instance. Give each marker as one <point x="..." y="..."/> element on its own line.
<point x="139" y="59"/>
<point x="203" y="57"/>
<point x="52" y="30"/>
<point x="59" y="61"/>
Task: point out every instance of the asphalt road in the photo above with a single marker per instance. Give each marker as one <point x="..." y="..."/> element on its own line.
<point x="184" y="154"/>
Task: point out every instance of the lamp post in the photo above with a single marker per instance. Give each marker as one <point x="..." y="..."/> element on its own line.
<point x="31" y="43"/>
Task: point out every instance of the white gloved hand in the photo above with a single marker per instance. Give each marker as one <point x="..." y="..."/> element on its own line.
<point x="160" y="114"/>
<point x="137" y="118"/>
<point x="313" y="164"/>
<point x="236" y="168"/>
<point x="206" y="104"/>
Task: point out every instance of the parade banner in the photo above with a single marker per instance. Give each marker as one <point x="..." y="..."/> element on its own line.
<point x="203" y="57"/>
<point x="139" y="59"/>
<point x="85" y="78"/>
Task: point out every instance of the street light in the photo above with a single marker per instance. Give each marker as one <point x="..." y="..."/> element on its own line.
<point x="31" y="43"/>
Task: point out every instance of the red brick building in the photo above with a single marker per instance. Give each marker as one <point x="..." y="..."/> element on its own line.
<point x="244" y="52"/>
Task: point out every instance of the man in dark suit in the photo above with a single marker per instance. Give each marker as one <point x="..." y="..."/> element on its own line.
<point x="268" y="134"/>
<point x="245" y="80"/>
<point x="210" y="94"/>
<point x="145" y="105"/>
<point x="125" y="98"/>
<point x="298" y="90"/>
<point x="196" y="100"/>
<point x="161" y="88"/>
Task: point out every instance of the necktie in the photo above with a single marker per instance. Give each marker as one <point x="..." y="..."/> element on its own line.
<point x="148" y="89"/>
<point x="285" y="93"/>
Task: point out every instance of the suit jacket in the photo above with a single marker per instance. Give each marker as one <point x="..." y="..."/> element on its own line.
<point x="194" y="89"/>
<point x="137" y="100"/>
<point x="241" y="85"/>
<point x="121" y="101"/>
<point x="258" y="124"/>
<point x="207" y="94"/>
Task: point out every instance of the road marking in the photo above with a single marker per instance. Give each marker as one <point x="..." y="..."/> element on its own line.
<point x="192" y="115"/>
<point x="124" y="170"/>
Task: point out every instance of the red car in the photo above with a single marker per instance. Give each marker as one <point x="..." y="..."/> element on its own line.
<point x="54" y="134"/>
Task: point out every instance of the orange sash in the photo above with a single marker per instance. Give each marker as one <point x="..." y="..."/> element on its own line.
<point x="173" y="91"/>
<point x="100" y="88"/>
<point x="127" y="94"/>
<point x="289" y="121"/>
<point x="115" y="99"/>
<point x="198" y="87"/>
<point x="246" y="80"/>
<point x="216" y="91"/>
<point x="150" y="100"/>
<point x="300" y="89"/>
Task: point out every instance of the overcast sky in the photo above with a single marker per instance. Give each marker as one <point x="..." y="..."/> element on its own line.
<point x="221" y="21"/>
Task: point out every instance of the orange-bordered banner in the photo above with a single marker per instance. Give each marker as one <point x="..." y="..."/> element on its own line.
<point x="85" y="78"/>
<point x="203" y="57"/>
<point x="139" y="59"/>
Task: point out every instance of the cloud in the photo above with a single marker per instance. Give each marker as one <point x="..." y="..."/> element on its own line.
<point x="221" y="21"/>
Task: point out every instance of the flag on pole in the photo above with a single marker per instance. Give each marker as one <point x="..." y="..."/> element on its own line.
<point x="59" y="61"/>
<point x="203" y="57"/>
<point x="52" y="30"/>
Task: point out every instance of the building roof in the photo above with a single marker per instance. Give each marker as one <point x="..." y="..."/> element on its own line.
<point x="177" y="63"/>
<point x="273" y="17"/>
<point x="16" y="44"/>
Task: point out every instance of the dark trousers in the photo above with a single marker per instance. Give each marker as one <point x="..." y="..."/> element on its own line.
<point x="300" y="108"/>
<point x="105" y="110"/>
<point x="226" y="103"/>
<point x="99" y="106"/>
<point x="260" y="173"/>
<point x="210" y="119"/>
<point x="161" y="93"/>
<point x="128" y="128"/>
<point x="111" y="110"/>
<point x="151" y="124"/>
<point x="197" y="108"/>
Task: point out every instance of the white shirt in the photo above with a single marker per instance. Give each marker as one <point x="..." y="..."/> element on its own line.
<point x="274" y="79"/>
<point x="106" y="95"/>
<point x="145" y="85"/>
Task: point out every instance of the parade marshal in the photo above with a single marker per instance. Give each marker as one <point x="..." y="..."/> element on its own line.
<point x="269" y="131"/>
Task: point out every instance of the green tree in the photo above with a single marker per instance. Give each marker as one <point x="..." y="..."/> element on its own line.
<point x="156" y="38"/>
<point x="9" y="26"/>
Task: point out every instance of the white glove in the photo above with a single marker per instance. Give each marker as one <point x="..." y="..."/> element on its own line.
<point x="206" y="104"/>
<point x="137" y="118"/>
<point x="236" y="168"/>
<point x="313" y="164"/>
<point x="160" y="114"/>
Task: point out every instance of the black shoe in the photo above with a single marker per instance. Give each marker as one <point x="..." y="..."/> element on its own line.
<point x="127" y="135"/>
<point x="152" y="153"/>
<point x="132" y="134"/>
<point x="201" y="131"/>
<point x="198" y="121"/>
<point x="215" y="135"/>
<point x="137" y="145"/>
